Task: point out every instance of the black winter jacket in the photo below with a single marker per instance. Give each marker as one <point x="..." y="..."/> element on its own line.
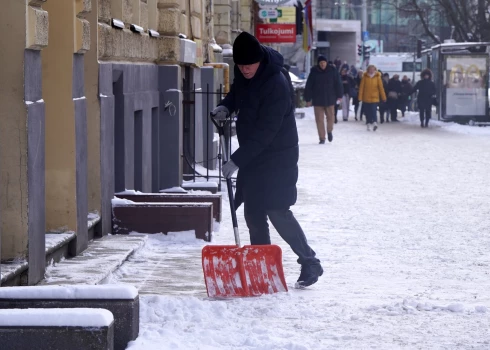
<point x="268" y="152"/>
<point x="394" y="86"/>
<point x="406" y="89"/>
<point x="323" y="86"/>
<point x="347" y="84"/>
<point x="426" y="89"/>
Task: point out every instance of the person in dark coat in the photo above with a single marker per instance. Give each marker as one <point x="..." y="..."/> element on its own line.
<point x="337" y="62"/>
<point x="383" y="106"/>
<point x="353" y="71"/>
<point x="426" y="93"/>
<point x="324" y="91"/>
<point x="394" y="91"/>
<point x="348" y="87"/>
<point x="355" y="98"/>
<point x="405" y="96"/>
<point x="345" y="66"/>
<point x="267" y="156"/>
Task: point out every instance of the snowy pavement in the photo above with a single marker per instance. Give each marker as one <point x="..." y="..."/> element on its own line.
<point x="399" y="217"/>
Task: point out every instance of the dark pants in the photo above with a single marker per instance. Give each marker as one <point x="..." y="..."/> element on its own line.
<point x="356" y="103"/>
<point x="287" y="227"/>
<point x="403" y="104"/>
<point x="393" y="106"/>
<point x="425" y="112"/>
<point x="370" y="112"/>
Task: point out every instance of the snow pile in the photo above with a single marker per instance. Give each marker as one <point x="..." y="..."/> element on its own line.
<point x="173" y="190"/>
<point x="80" y="317"/>
<point x="70" y="292"/>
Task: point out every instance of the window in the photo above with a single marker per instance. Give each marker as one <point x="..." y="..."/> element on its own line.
<point x="408" y="66"/>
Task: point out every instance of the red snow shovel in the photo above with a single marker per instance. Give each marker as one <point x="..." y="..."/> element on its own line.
<point x="236" y="271"/>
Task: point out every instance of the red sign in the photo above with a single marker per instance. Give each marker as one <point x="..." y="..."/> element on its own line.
<point x="276" y="33"/>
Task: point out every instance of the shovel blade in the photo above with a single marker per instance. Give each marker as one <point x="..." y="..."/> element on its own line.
<point x="231" y="271"/>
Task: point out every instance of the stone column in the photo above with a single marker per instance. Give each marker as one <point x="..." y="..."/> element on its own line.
<point x="24" y="27"/>
<point x="222" y="21"/>
<point x="66" y="123"/>
<point x="93" y="122"/>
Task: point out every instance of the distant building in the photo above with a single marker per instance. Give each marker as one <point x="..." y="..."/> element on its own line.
<point x="387" y="23"/>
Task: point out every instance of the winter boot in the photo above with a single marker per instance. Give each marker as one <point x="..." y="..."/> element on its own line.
<point x="330" y="137"/>
<point x="309" y="275"/>
<point x="322" y="142"/>
<point x="375" y="127"/>
<point x="368" y="127"/>
<point x="427" y="123"/>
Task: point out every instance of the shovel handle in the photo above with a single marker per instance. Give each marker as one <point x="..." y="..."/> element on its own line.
<point x="226" y="156"/>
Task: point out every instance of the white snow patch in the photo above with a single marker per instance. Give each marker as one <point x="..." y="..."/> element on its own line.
<point x="70" y="292"/>
<point x="173" y="189"/>
<point x="121" y="202"/>
<point x="200" y="184"/>
<point x="80" y="317"/>
<point x="133" y="192"/>
<point x="174" y="237"/>
<point x="79" y="98"/>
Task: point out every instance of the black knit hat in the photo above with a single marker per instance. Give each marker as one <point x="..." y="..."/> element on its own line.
<point x="247" y="49"/>
<point x="321" y="58"/>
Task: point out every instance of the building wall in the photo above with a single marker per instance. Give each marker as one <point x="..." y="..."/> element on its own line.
<point x="72" y="81"/>
<point x="343" y="37"/>
<point x="25" y="27"/>
<point x="230" y="18"/>
<point x="386" y="21"/>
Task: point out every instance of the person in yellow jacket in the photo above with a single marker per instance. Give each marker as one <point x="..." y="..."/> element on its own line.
<point x="371" y="92"/>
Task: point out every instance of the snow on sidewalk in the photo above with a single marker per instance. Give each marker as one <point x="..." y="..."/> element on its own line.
<point x="400" y="219"/>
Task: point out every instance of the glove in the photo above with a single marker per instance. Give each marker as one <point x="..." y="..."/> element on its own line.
<point x="228" y="169"/>
<point x="220" y="113"/>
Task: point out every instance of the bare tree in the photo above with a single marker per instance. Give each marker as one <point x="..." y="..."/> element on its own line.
<point x="470" y="18"/>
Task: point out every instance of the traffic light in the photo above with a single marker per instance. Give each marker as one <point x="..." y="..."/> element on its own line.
<point x="420" y="47"/>
<point x="366" y="53"/>
<point x="359" y="50"/>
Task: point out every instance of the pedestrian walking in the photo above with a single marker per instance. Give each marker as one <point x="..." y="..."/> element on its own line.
<point x="353" y="71"/>
<point x="355" y="98"/>
<point x="383" y="106"/>
<point x="345" y="66"/>
<point x="267" y="156"/>
<point x="371" y="93"/>
<point x="426" y="95"/>
<point x="348" y="87"/>
<point x="405" y="96"/>
<point x="323" y="90"/>
<point x="337" y="62"/>
<point x="394" y="91"/>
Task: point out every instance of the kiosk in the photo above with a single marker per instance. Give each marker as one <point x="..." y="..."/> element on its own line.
<point x="460" y="72"/>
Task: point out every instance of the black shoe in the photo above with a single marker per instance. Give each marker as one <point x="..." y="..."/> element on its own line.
<point x="309" y="275"/>
<point x="355" y="119"/>
<point x="422" y="124"/>
<point x="426" y="124"/>
<point x="330" y="137"/>
<point x="322" y="142"/>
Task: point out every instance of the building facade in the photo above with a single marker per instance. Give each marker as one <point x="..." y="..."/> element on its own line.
<point x="85" y="94"/>
<point x="392" y="27"/>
